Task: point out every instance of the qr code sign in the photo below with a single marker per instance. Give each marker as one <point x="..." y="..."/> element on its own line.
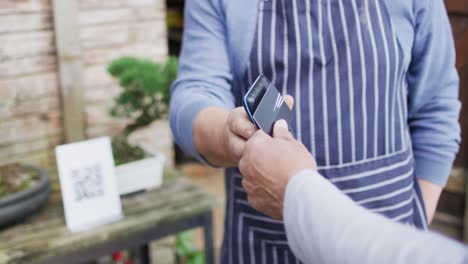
<point x="87" y="182"/>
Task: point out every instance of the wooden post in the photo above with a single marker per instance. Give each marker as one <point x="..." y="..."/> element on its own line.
<point x="465" y="222"/>
<point x="458" y="9"/>
<point x="67" y="36"/>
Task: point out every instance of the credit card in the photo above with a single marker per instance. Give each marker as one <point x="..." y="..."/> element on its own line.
<point x="265" y="105"/>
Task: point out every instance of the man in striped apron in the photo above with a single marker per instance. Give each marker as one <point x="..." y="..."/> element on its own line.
<point x="364" y="105"/>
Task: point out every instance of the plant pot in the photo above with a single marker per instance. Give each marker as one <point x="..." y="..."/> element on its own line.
<point x="140" y="175"/>
<point x="16" y="207"/>
<point x="155" y="138"/>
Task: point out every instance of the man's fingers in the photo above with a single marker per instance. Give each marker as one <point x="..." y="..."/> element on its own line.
<point x="245" y="184"/>
<point x="280" y="130"/>
<point x="289" y="100"/>
<point x="256" y="141"/>
<point x="243" y="165"/>
<point x="236" y="145"/>
<point x="241" y="125"/>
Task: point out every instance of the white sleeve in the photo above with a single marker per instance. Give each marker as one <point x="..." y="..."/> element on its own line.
<point x="325" y="226"/>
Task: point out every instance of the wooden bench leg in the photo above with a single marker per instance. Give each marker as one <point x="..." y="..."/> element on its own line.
<point x="145" y="254"/>
<point x="208" y="237"/>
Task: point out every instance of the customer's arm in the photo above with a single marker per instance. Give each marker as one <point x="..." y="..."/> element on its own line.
<point x="325" y="226"/>
<point x="322" y="224"/>
<point x="201" y="98"/>
<point x="433" y="99"/>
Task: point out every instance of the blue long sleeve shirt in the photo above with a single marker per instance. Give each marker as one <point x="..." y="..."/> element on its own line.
<point x="216" y="47"/>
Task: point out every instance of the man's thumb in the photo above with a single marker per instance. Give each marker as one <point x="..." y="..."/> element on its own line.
<point x="280" y="130"/>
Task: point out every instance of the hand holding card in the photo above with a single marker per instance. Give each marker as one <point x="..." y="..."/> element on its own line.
<point x="265" y="105"/>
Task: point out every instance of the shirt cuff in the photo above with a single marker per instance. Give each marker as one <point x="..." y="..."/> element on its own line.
<point x="436" y="172"/>
<point x="183" y="127"/>
<point x="182" y="119"/>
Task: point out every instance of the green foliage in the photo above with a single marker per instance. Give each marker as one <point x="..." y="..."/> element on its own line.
<point x="145" y="89"/>
<point x="185" y="249"/>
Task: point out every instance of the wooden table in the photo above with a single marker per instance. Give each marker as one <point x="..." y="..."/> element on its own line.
<point x="176" y="206"/>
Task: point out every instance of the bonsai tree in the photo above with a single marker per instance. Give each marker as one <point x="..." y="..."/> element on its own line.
<point x="144" y="98"/>
<point x="145" y="89"/>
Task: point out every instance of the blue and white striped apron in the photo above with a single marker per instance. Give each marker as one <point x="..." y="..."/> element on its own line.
<point x="342" y="63"/>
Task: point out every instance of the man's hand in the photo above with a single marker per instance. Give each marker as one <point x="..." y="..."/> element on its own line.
<point x="220" y="135"/>
<point x="267" y="165"/>
<point x="237" y="131"/>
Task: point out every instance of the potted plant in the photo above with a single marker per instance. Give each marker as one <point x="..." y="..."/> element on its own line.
<point x="23" y="190"/>
<point x="144" y="98"/>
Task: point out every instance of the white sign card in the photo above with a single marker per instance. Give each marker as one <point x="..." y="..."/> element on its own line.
<point x="88" y="184"/>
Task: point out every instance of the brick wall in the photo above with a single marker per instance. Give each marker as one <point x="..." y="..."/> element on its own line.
<point x="30" y="119"/>
<point x="110" y="29"/>
<point x="30" y="111"/>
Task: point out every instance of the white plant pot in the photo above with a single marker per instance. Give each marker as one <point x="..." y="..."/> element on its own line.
<point x="140" y="175"/>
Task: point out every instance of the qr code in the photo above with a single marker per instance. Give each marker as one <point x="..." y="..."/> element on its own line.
<point x="88" y="182"/>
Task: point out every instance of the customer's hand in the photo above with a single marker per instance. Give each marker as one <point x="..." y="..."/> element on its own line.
<point x="267" y="165"/>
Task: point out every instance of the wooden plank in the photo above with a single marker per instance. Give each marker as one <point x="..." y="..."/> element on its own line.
<point x="70" y="67"/>
<point x="15" y="23"/>
<point x="16" y="68"/>
<point x="45" y="235"/>
<point x="26" y="44"/>
<point x="24" y="6"/>
<point x="457" y="6"/>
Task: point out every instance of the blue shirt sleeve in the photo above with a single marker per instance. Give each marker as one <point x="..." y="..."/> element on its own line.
<point x="433" y="105"/>
<point x="205" y="77"/>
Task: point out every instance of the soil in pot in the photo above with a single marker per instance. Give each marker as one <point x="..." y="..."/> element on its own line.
<point x="24" y="189"/>
<point x="16" y="178"/>
<point x="125" y="153"/>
